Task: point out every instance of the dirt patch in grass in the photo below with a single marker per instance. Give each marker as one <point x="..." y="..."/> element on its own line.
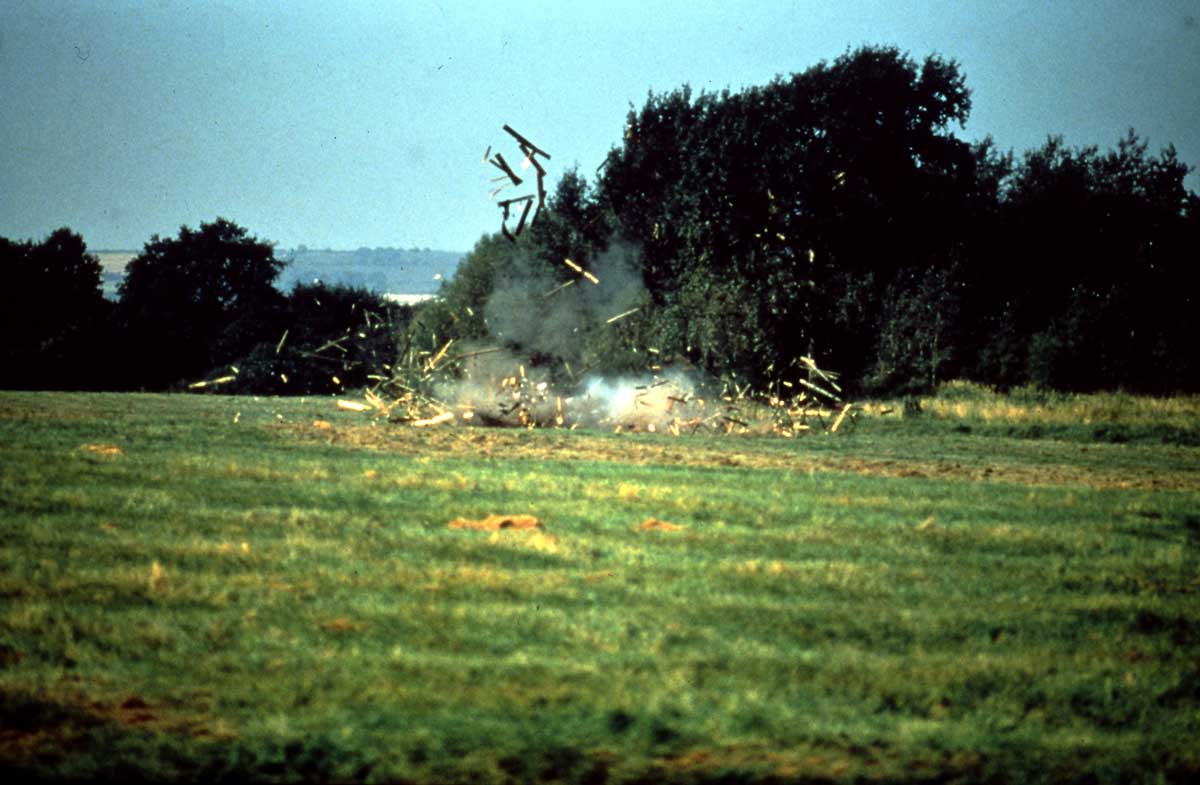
<point x="654" y="524"/>
<point x="497" y="522"/>
<point x="101" y="449"/>
<point x="988" y="461"/>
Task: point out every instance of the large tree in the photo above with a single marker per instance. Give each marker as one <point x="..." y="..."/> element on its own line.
<point x="834" y="213"/>
<point x="52" y="313"/>
<point x="192" y="303"/>
<point x="780" y="209"/>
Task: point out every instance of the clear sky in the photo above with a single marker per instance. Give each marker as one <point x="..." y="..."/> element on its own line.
<point x="355" y="123"/>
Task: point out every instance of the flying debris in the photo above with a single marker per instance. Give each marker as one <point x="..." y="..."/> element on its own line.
<point x="622" y="315"/>
<point x="211" y="382"/>
<point x="528" y="201"/>
<point x="581" y="271"/>
<point x="444" y="382"/>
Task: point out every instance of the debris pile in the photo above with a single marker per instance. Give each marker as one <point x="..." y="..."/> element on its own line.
<point x="795" y="406"/>
<point x="448" y="387"/>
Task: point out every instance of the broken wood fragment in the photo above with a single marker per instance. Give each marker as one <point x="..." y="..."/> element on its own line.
<point x="436" y="420"/>
<point x="522" y="219"/>
<point x="559" y="288"/>
<point x="817" y="389"/>
<point x="211" y="382"/>
<point x="499" y="162"/>
<point x="431" y="364"/>
<point x="840" y="417"/>
<point x="620" y="316"/>
<point x="525" y="143"/>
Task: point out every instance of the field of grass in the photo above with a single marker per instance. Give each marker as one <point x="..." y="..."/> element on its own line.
<point x="219" y="588"/>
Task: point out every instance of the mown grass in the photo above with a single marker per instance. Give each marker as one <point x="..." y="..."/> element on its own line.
<point x="1033" y="413"/>
<point x="206" y="588"/>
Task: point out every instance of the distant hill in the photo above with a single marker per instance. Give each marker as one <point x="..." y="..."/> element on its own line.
<point x="380" y="270"/>
<point x="112" y="270"/>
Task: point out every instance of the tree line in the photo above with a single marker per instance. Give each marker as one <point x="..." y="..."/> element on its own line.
<point x="196" y="311"/>
<point x="831" y="214"/>
<point x="834" y="214"/>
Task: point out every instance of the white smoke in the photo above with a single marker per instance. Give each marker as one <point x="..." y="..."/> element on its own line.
<point x="616" y="396"/>
<point x="649" y="402"/>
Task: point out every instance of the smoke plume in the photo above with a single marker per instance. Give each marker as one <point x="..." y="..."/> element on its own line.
<point x="557" y="344"/>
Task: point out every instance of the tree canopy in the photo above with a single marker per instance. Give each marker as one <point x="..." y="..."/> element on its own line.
<point x="52" y="312"/>
<point x="769" y="207"/>
<point x="192" y="302"/>
<point x="834" y="213"/>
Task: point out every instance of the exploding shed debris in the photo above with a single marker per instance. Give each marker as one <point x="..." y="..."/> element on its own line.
<point x="528" y="201"/>
<point x="446" y="383"/>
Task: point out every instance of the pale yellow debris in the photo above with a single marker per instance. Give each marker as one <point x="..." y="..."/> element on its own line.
<point x="437" y="420"/>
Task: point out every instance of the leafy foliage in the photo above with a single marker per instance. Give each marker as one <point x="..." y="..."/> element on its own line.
<point x="920" y="314"/>
<point x="53" y="315"/>
<point x="780" y="200"/>
<point x="1090" y="267"/>
<point x="332" y="339"/>
<point x="193" y="303"/>
<point x="459" y="310"/>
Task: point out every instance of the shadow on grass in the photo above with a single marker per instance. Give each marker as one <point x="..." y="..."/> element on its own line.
<point x="56" y="741"/>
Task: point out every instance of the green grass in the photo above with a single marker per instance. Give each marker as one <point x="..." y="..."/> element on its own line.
<point x="206" y="588"/>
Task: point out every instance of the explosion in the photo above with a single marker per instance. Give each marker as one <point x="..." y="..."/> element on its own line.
<point x="535" y="371"/>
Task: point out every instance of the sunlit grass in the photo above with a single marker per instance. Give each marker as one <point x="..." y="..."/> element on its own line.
<point x="967" y="400"/>
<point x="232" y="594"/>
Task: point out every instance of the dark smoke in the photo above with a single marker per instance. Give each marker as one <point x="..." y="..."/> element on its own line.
<point x="538" y="320"/>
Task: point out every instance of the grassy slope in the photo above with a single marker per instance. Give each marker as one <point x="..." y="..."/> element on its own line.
<point x="232" y="591"/>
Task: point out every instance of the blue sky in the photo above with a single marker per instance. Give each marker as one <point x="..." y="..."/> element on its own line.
<point x="364" y="123"/>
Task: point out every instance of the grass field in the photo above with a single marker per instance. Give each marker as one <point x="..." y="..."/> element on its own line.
<point x="1002" y="589"/>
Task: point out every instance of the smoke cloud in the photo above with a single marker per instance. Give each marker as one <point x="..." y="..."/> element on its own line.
<point x="546" y="330"/>
<point x="543" y="317"/>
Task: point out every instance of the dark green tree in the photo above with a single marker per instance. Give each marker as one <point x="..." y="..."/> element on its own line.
<point x="793" y="204"/>
<point x="332" y="339"/>
<point x="574" y="226"/>
<point x="191" y="304"/>
<point x="1090" y="271"/>
<point x="834" y="213"/>
<point x="919" y="331"/>
<point x="53" y="314"/>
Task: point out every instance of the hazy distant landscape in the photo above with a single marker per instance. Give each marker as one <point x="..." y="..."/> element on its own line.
<point x="380" y="270"/>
